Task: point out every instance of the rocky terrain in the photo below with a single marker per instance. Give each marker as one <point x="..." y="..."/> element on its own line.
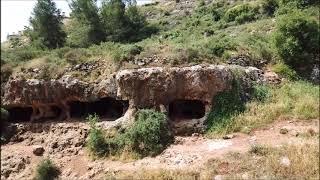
<point x="64" y="144"/>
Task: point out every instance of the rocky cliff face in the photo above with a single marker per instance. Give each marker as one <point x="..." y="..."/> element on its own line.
<point x="154" y="87"/>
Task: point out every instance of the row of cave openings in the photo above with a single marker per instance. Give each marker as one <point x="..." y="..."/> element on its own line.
<point x="110" y="109"/>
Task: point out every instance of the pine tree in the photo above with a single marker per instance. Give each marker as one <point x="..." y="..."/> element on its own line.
<point x="46" y="22"/>
<point x="114" y="19"/>
<point x="87" y="13"/>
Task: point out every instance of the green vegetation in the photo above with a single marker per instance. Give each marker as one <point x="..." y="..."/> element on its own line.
<point x="148" y="136"/>
<point x="297" y="40"/>
<point x="46" y="170"/>
<point x="275" y="31"/>
<point x="227" y="104"/>
<point x="285" y="71"/>
<point x="46" y="25"/>
<point x="284" y="102"/>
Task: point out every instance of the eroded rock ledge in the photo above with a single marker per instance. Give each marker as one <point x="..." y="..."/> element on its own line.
<point x="157" y="87"/>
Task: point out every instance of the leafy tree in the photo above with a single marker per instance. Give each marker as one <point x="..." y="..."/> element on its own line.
<point x="78" y="34"/>
<point x="86" y="13"/>
<point x="114" y="19"/>
<point x="136" y="22"/>
<point x="123" y="21"/>
<point x="46" y="22"/>
<point x="297" y="40"/>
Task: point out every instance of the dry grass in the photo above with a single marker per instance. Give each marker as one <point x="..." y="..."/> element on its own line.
<point x="304" y="164"/>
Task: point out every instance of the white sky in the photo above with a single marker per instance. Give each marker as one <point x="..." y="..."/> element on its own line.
<point x="15" y="14"/>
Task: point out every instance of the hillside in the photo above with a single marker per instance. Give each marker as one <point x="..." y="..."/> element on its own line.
<point x="184" y="89"/>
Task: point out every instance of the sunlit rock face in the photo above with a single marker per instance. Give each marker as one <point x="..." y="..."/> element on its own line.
<point x="155" y="87"/>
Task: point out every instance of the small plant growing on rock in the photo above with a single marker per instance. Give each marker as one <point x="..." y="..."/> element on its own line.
<point x="46" y="170"/>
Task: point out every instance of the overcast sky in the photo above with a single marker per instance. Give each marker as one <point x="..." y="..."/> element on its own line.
<point x="15" y="14"/>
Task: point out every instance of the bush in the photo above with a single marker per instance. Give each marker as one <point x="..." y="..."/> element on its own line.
<point x="269" y="7"/>
<point x="296" y="40"/>
<point x="96" y="140"/>
<point x="216" y="46"/>
<point x="226" y="105"/>
<point x="298" y="3"/>
<point x="261" y="92"/>
<point x="150" y="134"/>
<point x="21" y="54"/>
<point x="79" y="34"/>
<point x="75" y="56"/>
<point x="46" y="170"/>
<point x="242" y="13"/>
<point x="285" y="71"/>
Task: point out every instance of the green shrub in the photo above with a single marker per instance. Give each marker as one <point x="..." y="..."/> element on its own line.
<point x="148" y="136"/>
<point x="285" y="71"/>
<point x="261" y="92"/>
<point x="46" y="170"/>
<point x="21" y="54"/>
<point x="296" y="40"/>
<point x="242" y="13"/>
<point x="269" y="7"/>
<point x="79" y="34"/>
<point x="75" y="56"/>
<point x="96" y="140"/>
<point x="150" y="133"/>
<point x="216" y="46"/>
<point x="298" y="3"/>
<point x="226" y="105"/>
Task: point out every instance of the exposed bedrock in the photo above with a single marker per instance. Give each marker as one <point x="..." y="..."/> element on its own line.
<point x="178" y="91"/>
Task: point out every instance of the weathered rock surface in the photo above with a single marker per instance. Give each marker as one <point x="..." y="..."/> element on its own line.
<point x="13" y="163"/>
<point x="151" y="87"/>
<point x="154" y="87"/>
<point x="37" y="150"/>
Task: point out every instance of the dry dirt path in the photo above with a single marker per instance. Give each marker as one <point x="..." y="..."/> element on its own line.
<point x="18" y="161"/>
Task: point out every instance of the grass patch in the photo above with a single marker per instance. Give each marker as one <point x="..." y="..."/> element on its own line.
<point x="148" y="136"/>
<point x="46" y="170"/>
<point x="299" y="100"/>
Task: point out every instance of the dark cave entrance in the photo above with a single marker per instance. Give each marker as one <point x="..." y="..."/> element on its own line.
<point x="106" y="108"/>
<point x="186" y="109"/>
<point x="20" y="114"/>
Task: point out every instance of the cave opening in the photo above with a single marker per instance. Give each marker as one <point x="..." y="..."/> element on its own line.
<point x="105" y="108"/>
<point x="186" y="109"/>
<point x="19" y="114"/>
<point x="56" y="112"/>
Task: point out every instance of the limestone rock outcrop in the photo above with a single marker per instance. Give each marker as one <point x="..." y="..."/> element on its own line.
<point x="154" y="87"/>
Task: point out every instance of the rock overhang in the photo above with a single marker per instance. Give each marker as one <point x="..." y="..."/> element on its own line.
<point x="143" y="88"/>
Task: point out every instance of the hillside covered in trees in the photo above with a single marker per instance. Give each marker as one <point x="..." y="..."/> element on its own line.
<point x="119" y="34"/>
<point x="173" y="89"/>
